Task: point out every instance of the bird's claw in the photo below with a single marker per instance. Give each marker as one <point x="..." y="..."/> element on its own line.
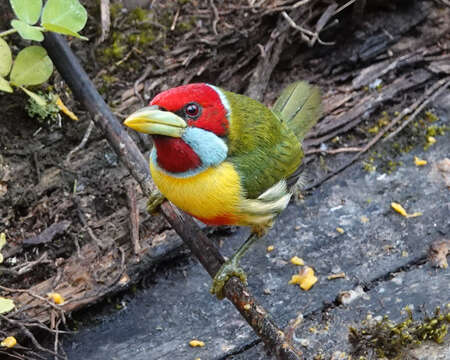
<point x="153" y="202"/>
<point x="229" y="269"/>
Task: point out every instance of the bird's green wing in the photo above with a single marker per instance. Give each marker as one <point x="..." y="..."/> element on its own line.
<point x="262" y="149"/>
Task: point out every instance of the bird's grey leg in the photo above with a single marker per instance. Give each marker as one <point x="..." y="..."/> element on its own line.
<point x="231" y="268"/>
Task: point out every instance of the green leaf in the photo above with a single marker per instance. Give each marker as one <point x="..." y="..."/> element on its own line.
<point x="6" y="305"/>
<point x="26" y="31"/>
<point x="31" y="67"/>
<point x="64" y="16"/>
<point x="5" y="58"/>
<point x="4" y="86"/>
<point x="62" y="30"/>
<point x="39" y="99"/>
<point x="27" y="10"/>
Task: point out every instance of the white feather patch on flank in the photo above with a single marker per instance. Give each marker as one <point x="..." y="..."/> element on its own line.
<point x="268" y="204"/>
<point x="256" y="207"/>
<point x="275" y="192"/>
<point x="223" y="99"/>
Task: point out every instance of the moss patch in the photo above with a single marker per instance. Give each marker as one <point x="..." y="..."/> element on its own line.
<point x="424" y="131"/>
<point x="392" y="341"/>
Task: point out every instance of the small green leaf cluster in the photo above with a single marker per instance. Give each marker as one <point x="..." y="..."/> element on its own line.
<point x="32" y="66"/>
<point x="47" y="114"/>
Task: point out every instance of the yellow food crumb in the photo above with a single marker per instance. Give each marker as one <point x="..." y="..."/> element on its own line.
<point x="9" y="342"/>
<point x="63" y="108"/>
<point x="419" y="162"/>
<point x="297" y="261"/>
<point x="397" y="207"/>
<point x="270" y="248"/>
<point x="196" y="343"/>
<point x="336" y="276"/>
<point x="340" y="230"/>
<point x="404" y="253"/>
<point x="57" y="298"/>
<point x="431" y="140"/>
<point x="364" y="219"/>
<point x="305" y="278"/>
<point x="247" y="306"/>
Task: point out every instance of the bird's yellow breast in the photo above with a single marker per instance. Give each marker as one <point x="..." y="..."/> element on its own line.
<point x="212" y="195"/>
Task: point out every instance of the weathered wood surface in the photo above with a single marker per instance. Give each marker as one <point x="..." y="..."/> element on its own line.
<point x="326" y="332"/>
<point x="379" y="250"/>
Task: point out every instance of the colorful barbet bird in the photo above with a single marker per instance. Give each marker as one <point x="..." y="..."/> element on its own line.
<point x="225" y="158"/>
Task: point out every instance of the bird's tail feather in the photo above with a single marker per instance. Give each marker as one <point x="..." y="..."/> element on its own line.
<point x="299" y="107"/>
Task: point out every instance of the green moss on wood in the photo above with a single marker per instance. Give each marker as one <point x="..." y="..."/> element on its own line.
<point x="390" y="340"/>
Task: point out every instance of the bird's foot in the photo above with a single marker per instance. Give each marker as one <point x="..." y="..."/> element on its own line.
<point x="153" y="202"/>
<point x="229" y="269"/>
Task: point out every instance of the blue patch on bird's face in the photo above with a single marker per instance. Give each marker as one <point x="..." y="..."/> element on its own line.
<point x="211" y="149"/>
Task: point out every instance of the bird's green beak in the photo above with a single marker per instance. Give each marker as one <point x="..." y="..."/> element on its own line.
<point x="152" y="120"/>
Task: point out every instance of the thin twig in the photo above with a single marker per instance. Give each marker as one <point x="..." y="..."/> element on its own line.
<point x="295" y="26"/>
<point x="11" y="355"/>
<point x="308" y="36"/>
<point x="174" y="23"/>
<point x="28" y="266"/>
<point x="344" y="6"/>
<point x="55" y="346"/>
<point x="82" y="143"/>
<point x="320" y="25"/>
<point x="216" y="16"/>
<point x="134" y="218"/>
<point x="46" y="328"/>
<point x="276" y="9"/>
<point x="105" y="17"/>
<point x="333" y="151"/>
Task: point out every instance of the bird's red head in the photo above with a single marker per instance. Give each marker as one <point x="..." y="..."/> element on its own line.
<point x="187" y="124"/>
<point x="200" y="105"/>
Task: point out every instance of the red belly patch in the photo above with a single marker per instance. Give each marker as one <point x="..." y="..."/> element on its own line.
<point x="225" y="219"/>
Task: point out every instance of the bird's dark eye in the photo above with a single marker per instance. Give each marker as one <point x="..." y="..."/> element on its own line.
<point x="192" y="110"/>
